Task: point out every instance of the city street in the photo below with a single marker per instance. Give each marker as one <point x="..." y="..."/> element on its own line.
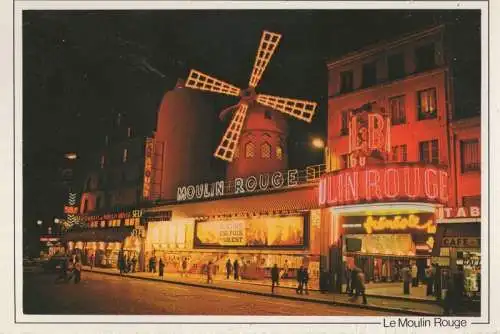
<point x="104" y="294"/>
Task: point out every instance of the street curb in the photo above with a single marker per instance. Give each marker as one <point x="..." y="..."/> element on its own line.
<point x="257" y="293"/>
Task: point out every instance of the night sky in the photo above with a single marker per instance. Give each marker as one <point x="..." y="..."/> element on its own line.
<point x="81" y="68"/>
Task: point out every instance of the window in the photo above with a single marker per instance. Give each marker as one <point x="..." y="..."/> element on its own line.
<point x="249" y="150"/>
<point x="267" y="114"/>
<point x="369" y="74"/>
<point x="424" y="57"/>
<point x="344" y="130"/>
<point x="125" y="155"/>
<point x="346" y="161"/>
<point x="346" y="81"/>
<point x="279" y="153"/>
<point x="129" y="132"/>
<point x="103" y="161"/>
<point x="399" y="153"/>
<point x="429" y="151"/>
<point x="85" y="205"/>
<point x="469" y="201"/>
<point x="427" y="106"/>
<point x="398" y="113"/>
<point x="265" y="151"/>
<point x="470" y="154"/>
<point x="396" y="66"/>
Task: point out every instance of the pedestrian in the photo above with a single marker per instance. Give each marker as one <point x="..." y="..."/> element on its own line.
<point x="63" y="271"/>
<point x="449" y="302"/>
<point x="121" y="263"/>
<point x="210" y="272"/>
<point x="406" y="280"/>
<point x="161" y="266"/>
<point x="184" y="267"/>
<point x="78" y="271"/>
<point x="275" y="275"/>
<point x="354" y="276"/>
<point x="154" y="264"/>
<point x="347" y="277"/>
<point x="285" y="269"/>
<point x="134" y="263"/>
<point x="236" y="268"/>
<point x="437" y="282"/>
<point x="300" y="280"/>
<point x="360" y="286"/>
<point x="229" y="266"/>
<point x="429" y="280"/>
<point x="92" y="261"/>
<point x="305" y="280"/>
<point x="414" y="275"/>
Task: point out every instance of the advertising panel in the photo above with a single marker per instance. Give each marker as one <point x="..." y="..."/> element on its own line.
<point x="256" y="232"/>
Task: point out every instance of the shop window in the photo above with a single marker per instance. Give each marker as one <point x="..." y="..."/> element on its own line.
<point x="369" y="74"/>
<point x="249" y="150"/>
<point x="396" y="66"/>
<point x="427" y="104"/>
<point x="468" y="201"/>
<point x="279" y="153"/>
<point x="398" y="113"/>
<point x="344" y="121"/>
<point x="346" y="81"/>
<point x="470" y="155"/>
<point x="125" y="155"/>
<point x="399" y="153"/>
<point x="265" y="151"/>
<point x="429" y="151"/>
<point x="267" y="114"/>
<point x="425" y="57"/>
<point x="346" y="161"/>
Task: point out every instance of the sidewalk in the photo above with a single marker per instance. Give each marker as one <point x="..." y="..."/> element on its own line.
<point x="401" y="306"/>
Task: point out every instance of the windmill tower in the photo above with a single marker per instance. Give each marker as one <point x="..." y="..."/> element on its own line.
<point x="255" y="140"/>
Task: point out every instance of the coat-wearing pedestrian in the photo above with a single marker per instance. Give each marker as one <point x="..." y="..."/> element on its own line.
<point x="347" y="277"/>
<point x="134" y="263"/>
<point x="161" y="267"/>
<point x="229" y="266"/>
<point x="275" y="276"/>
<point x="406" y="280"/>
<point x="154" y="264"/>
<point x="210" y="272"/>
<point x="92" y="261"/>
<point x="78" y="271"/>
<point x="429" y="281"/>
<point x="360" y="286"/>
<point x="305" y="280"/>
<point x="414" y="275"/>
<point x="300" y="280"/>
<point x="236" y="269"/>
<point x="354" y="277"/>
<point x="184" y="267"/>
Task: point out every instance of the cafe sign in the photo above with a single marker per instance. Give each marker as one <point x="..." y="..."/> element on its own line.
<point x="461" y="242"/>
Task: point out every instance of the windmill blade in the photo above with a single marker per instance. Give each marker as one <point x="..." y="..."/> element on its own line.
<point x="301" y="109"/>
<point x="229" y="143"/>
<point x="268" y="43"/>
<point x="202" y="81"/>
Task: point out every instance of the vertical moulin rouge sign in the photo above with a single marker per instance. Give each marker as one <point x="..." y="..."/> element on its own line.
<point x="148" y="168"/>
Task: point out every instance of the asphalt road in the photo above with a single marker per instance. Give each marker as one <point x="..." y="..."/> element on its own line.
<point x="104" y="294"/>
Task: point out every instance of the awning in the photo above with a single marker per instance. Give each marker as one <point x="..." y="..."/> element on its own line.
<point x="108" y="234"/>
<point x="462" y="232"/>
<point x="303" y="198"/>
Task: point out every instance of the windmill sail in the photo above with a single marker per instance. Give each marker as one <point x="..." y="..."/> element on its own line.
<point x="202" y="81"/>
<point x="229" y="143"/>
<point x="301" y="109"/>
<point x="268" y="43"/>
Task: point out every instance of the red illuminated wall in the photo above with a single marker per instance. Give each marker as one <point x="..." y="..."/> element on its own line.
<point x="263" y="126"/>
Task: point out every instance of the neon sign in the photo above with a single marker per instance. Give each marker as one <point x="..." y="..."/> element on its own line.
<point x="460" y="212"/>
<point x="391" y="182"/>
<point x="400" y="223"/>
<point x="148" y="168"/>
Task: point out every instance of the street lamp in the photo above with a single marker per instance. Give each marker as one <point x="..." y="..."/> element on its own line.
<point x="56" y="220"/>
<point x="318" y="143"/>
<point x="39" y="222"/>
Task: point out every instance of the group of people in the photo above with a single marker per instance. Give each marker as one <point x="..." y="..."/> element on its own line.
<point x="127" y="264"/>
<point x="70" y="269"/>
<point x="302" y="279"/>
<point x="233" y="268"/>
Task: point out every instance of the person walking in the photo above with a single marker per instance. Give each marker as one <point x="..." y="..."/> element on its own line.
<point x="229" y="266"/>
<point x="63" y="272"/>
<point x="275" y="275"/>
<point x="92" y="261"/>
<point x="300" y="280"/>
<point x="305" y="280"/>
<point x="406" y="280"/>
<point x="285" y="270"/>
<point x="360" y="286"/>
<point x="184" y="267"/>
<point x="78" y="271"/>
<point x="414" y="275"/>
<point x="154" y="264"/>
<point x="354" y="278"/>
<point x="347" y="277"/>
<point x="236" y="268"/>
<point x="210" y="272"/>
<point x="429" y="281"/>
<point x="161" y="266"/>
<point x="121" y="263"/>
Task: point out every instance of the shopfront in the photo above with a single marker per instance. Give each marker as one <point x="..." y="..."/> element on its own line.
<point x="257" y="231"/>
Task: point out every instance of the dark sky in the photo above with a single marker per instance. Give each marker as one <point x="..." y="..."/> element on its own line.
<point x="80" y="68"/>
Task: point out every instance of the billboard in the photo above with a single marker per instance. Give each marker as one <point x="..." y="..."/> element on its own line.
<point x="256" y="232"/>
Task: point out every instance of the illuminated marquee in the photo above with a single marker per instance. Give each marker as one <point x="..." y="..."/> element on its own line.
<point x="391" y="182"/>
<point x="398" y="223"/>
